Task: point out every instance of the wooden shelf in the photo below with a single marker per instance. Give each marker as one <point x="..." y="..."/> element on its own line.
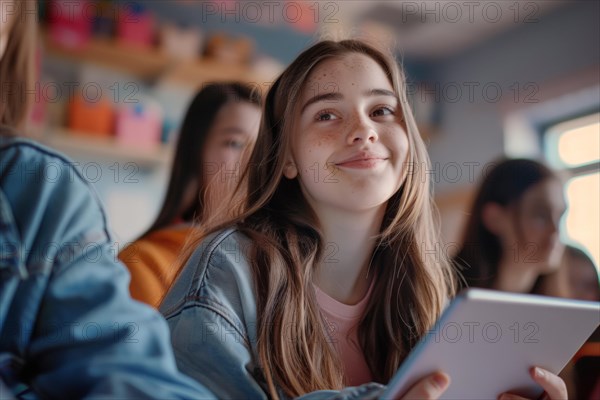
<point x="153" y="64"/>
<point x="80" y="144"/>
<point x="143" y="63"/>
<point x="196" y="73"/>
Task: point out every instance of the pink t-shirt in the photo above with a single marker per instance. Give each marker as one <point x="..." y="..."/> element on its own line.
<point x="342" y="320"/>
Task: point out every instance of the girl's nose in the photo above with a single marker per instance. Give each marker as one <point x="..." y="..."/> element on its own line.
<point x="362" y="131"/>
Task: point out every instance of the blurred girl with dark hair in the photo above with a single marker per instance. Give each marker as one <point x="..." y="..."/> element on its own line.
<point x="220" y="126"/>
<point x="511" y="239"/>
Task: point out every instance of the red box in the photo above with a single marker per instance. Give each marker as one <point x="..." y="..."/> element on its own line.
<point x="69" y="24"/>
<point x="135" y="26"/>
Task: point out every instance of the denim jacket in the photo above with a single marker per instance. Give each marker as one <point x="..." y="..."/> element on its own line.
<point x="211" y="311"/>
<point x="68" y="327"/>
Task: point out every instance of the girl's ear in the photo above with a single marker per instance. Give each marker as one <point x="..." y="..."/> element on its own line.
<point x="494" y="217"/>
<point x="290" y="171"/>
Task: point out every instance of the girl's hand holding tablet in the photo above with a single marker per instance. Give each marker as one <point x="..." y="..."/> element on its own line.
<point x="433" y="386"/>
<point x="554" y="386"/>
<point x="429" y="388"/>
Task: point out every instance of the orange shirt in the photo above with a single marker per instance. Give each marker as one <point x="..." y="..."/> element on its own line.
<point x="153" y="263"/>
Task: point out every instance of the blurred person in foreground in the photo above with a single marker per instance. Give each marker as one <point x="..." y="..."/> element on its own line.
<point x="68" y="327"/>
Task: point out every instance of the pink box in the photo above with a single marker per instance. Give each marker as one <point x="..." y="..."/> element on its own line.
<point x="69" y="24"/>
<point x="135" y="26"/>
<point x="139" y="124"/>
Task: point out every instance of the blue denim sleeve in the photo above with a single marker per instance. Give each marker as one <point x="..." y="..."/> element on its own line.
<point x="91" y="339"/>
<point x="204" y="309"/>
<point x="71" y="322"/>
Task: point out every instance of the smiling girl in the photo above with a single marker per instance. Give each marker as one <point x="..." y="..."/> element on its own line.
<point x="322" y="280"/>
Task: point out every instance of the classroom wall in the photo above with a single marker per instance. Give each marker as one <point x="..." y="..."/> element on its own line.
<point x="560" y="47"/>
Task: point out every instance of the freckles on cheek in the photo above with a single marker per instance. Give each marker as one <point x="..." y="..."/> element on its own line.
<point x="320" y="140"/>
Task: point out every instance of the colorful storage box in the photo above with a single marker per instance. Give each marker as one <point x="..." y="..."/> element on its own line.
<point x="135" y="26"/>
<point x="139" y="124"/>
<point x="91" y="117"/>
<point x="69" y="24"/>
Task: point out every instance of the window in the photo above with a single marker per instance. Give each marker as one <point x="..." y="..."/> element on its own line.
<point x="574" y="146"/>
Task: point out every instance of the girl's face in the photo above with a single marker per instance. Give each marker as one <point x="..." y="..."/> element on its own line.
<point x="534" y="238"/>
<point x="234" y="128"/>
<point x="349" y="145"/>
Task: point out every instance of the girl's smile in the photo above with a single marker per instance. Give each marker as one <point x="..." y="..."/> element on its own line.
<point x="363" y="160"/>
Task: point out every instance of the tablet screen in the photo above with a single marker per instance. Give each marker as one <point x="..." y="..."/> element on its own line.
<point x="487" y="341"/>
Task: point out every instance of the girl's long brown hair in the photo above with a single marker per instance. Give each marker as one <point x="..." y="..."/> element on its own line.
<point x="410" y="291"/>
<point x="17" y="65"/>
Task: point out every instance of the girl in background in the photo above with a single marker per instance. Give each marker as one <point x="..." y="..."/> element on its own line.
<point x="322" y="280"/>
<point x="220" y="125"/>
<point x="511" y="241"/>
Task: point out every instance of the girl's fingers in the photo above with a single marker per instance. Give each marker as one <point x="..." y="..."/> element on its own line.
<point x="553" y="385"/>
<point x="429" y="388"/>
<point x="555" y="388"/>
<point x="434" y="385"/>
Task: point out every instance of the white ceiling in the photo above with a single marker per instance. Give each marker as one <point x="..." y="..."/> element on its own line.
<point x="434" y="29"/>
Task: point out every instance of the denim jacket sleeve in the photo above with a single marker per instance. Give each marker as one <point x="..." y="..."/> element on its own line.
<point x="211" y="311"/>
<point x="68" y="327"/>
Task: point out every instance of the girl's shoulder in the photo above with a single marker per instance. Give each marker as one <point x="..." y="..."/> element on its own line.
<point x="217" y="275"/>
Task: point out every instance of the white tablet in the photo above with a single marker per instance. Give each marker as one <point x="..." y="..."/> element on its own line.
<point x="487" y="341"/>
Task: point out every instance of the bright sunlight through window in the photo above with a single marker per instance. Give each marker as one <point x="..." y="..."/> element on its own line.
<point x="582" y="220"/>
<point x="575" y="146"/>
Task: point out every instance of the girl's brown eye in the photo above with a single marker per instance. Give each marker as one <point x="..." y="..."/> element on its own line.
<point x="381" y="111"/>
<point x="326" y="116"/>
<point x="234" y="144"/>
